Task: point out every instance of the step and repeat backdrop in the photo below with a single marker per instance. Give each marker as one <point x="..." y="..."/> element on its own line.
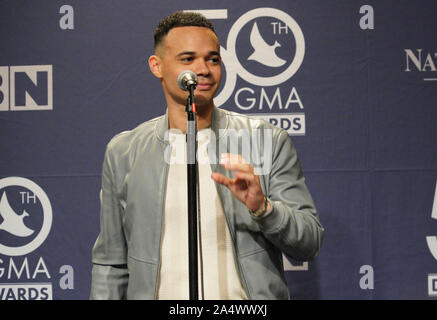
<point x="353" y="82"/>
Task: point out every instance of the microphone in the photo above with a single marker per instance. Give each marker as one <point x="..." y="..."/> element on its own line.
<point x="187" y="79"/>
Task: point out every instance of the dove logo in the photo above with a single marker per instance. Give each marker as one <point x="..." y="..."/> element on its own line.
<point x="263" y="52"/>
<point x="25" y="216"/>
<point x="265" y="47"/>
<point x="12" y="222"/>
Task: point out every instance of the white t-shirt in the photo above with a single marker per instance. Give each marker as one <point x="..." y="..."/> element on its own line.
<point x="221" y="280"/>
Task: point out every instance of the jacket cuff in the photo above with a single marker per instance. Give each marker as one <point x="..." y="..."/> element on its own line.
<point x="271" y="220"/>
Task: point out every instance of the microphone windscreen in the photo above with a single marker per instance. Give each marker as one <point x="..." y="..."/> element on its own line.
<point x="186" y="78"/>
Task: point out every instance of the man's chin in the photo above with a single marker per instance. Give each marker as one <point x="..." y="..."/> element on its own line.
<point x="202" y="101"/>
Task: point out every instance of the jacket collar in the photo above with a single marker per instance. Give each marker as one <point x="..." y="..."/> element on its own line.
<point x="219" y="124"/>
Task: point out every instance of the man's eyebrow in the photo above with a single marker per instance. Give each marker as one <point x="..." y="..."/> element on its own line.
<point x="190" y="53"/>
<point x="183" y="53"/>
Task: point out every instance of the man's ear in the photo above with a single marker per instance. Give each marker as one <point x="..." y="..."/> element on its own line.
<point x="155" y="65"/>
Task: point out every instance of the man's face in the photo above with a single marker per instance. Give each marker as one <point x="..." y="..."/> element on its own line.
<point x="190" y="48"/>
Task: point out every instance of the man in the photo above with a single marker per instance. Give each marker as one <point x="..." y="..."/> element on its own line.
<point x="246" y="220"/>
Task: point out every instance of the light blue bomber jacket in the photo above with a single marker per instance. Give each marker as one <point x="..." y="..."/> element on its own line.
<point x="126" y="254"/>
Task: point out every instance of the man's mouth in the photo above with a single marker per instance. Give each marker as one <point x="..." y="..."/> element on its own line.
<point x="204" y="86"/>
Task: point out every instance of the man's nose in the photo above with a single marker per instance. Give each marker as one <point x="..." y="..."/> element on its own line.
<point x="201" y="68"/>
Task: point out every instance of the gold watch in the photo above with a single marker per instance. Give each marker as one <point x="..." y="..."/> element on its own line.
<point x="261" y="210"/>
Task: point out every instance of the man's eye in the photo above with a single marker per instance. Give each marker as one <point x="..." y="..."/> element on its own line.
<point x="215" y="60"/>
<point x="187" y="59"/>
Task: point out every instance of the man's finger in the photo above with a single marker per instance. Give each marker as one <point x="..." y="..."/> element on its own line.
<point x="235" y="162"/>
<point x="220" y="178"/>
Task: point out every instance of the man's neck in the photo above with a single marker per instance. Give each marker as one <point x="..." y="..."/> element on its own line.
<point x="177" y="117"/>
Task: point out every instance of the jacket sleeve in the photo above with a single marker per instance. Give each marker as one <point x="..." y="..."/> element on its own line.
<point x="109" y="274"/>
<point x="293" y="223"/>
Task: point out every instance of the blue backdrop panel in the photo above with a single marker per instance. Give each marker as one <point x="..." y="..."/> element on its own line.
<point x="400" y="224"/>
<point x="402" y="115"/>
<point x="347" y="243"/>
<point x="363" y="90"/>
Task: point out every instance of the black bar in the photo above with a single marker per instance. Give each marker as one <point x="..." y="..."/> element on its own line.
<point x="192" y="198"/>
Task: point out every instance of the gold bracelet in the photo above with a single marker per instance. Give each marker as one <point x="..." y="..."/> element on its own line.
<point x="261" y="210"/>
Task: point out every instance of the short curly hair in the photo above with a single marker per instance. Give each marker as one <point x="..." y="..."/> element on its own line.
<point x="180" y="19"/>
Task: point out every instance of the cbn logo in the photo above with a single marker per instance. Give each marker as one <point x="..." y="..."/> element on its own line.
<point x="26" y="88"/>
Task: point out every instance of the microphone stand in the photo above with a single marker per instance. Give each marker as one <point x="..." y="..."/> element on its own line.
<point x="192" y="194"/>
